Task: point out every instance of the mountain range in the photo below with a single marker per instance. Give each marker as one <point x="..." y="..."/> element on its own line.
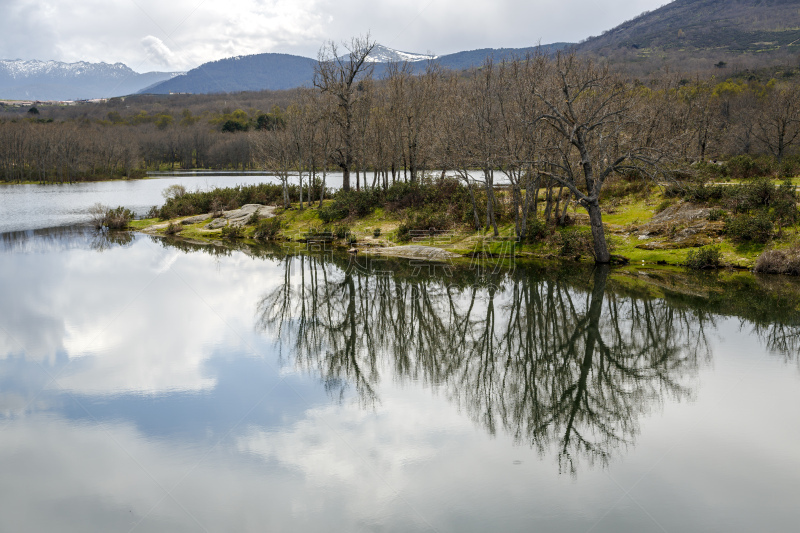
<point x="685" y="34"/>
<point x="282" y="71"/>
<point x="54" y="80"/>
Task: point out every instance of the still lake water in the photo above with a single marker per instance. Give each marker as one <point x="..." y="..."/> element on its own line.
<point x="149" y="385"/>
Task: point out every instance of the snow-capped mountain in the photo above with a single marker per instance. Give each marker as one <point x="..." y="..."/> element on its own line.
<point x="55" y="80"/>
<point x="383" y="54"/>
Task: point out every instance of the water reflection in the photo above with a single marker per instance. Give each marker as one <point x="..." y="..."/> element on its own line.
<point x="135" y="389"/>
<point x="546" y="362"/>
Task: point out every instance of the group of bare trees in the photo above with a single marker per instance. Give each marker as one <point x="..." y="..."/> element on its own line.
<point x="539" y="122"/>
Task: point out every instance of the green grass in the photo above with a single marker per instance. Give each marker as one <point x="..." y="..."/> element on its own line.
<point x="627" y="213"/>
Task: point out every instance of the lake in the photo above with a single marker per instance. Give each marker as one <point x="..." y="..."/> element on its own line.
<point x="156" y="385"/>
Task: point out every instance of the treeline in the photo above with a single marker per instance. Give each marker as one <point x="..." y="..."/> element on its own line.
<point x="563" y="125"/>
<point x="401" y="125"/>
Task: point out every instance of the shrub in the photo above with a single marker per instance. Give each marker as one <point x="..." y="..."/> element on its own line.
<point x="254" y="218"/>
<point x="428" y="220"/>
<point x="376" y="232"/>
<point x="574" y="242"/>
<point x="268" y="229"/>
<point x="741" y="167"/>
<point x="232" y="232"/>
<point x="331" y="212"/>
<point x="743" y="227"/>
<point x="717" y="214"/>
<point x="173" y="229"/>
<point x="175" y="190"/>
<point x="192" y="203"/>
<point x="340" y="231"/>
<point x="779" y="262"/>
<point x="117" y="218"/>
<point x="708" y="257"/>
<point x="784" y="206"/>
<point x="535" y="230"/>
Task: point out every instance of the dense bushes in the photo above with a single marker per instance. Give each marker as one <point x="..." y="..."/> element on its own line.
<point x="708" y="257"/>
<point x="744" y="227"/>
<point x="194" y="203"/>
<point x="574" y="242"/>
<point x="268" y="229"/>
<point x="428" y="220"/>
<point x="117" y="218"/>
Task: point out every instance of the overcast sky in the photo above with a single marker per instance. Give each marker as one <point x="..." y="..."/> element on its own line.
<point x="181" y="34"/>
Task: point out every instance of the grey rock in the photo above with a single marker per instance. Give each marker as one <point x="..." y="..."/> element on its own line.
<point x="196" y="219"/>
<point x="414" y="251"/>
<point x="217" y="223"/>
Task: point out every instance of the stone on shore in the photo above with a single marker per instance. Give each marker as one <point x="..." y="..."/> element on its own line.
<point x="239" y="217"/>
<point x="414" y="251"/>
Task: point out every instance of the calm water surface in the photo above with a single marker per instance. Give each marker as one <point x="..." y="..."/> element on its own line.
<point x="29" y="207"/>
<point x="156" y="386"/>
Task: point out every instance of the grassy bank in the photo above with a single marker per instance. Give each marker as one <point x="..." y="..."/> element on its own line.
<point x="644" y="223"/>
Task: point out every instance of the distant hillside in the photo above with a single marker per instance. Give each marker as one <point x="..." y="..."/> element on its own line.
<point x="704" y="32"/>
<point x="243" y="73"/>
<point x="54" y="80"/>
<point x="283" y="71"/>
<point x="473" y="58"/>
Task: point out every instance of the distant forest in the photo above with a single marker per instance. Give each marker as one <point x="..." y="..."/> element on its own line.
<point x="405" y="123"/>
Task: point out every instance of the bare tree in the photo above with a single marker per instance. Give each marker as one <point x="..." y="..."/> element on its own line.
<point x="340" y="76"/>
<point x="600" y="127"/>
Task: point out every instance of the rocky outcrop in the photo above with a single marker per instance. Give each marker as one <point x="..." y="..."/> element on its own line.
<point x="683" y="225"/>
<point x="413" y="251"/>
<point x="239" y="217"/>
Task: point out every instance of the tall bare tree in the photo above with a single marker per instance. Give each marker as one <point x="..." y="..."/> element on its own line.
<point x="340" y="76"/>
<point x="601" y="126"/>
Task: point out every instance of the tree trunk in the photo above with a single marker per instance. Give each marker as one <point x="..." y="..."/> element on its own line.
<point x="601" y="254"/>
<point x="345" y="179"/>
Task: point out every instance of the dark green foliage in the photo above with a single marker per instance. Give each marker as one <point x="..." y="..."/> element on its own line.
<point x="233" y="125"/>
<point x="340" y="231"/>
<point x="790" y="166"/>
<point x="717" y="214"/>
<point x="376" y="232"/>
<point x="784" y="206"/>
<point x="756" y="195"/>
<point x="193" y="203"/>
<point x="744" y="227"/>
<point x="536" y="230"/>
<point x="708" y="257"/>
<point x="33" y="111"/>
<point x="232" y="232"/>
<point x="741" y="167"/>
<point x="270" y="121"/>
<point x="629" y="184"/>
<point x="574" y="242"/>
<point x="745" y="166"/>
<point x="254" y="218"/>
<point x="117" y="218"/>
<point x="427" y="221"/>
<point x="331" y="212"/>
<point x="268" y="229"/>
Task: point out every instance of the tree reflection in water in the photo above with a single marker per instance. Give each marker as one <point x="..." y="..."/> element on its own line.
<point x="554" y="364"/>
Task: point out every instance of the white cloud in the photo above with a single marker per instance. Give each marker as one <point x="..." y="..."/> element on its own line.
<point x="158" y="52"/>
<point x="152" y="34"/>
